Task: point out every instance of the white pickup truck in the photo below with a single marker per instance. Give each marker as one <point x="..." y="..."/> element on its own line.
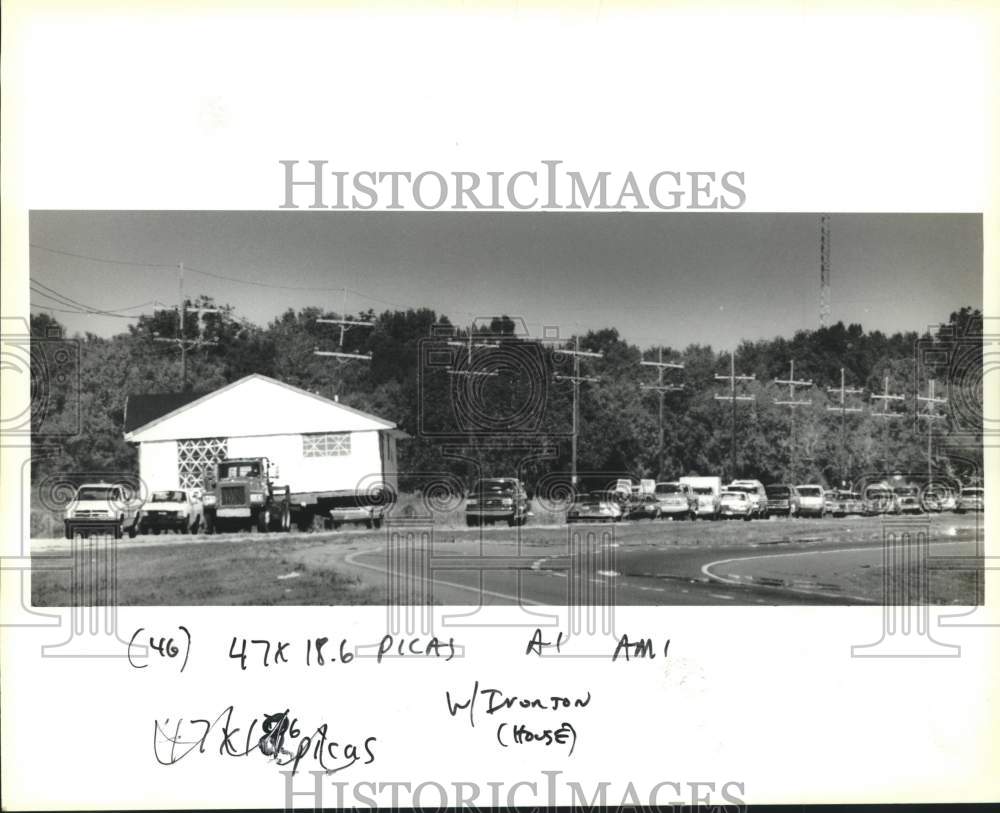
<point x="103" y="508"/>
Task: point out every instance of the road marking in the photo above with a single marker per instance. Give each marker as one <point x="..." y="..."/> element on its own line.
<point x="727" y="579"/>
<point x="350" y="559"/>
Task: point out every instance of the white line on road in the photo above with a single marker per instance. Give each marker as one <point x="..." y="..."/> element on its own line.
<point x="707" y="569"/>
<point x="432" y="581"/>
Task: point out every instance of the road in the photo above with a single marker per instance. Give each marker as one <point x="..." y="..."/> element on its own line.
<point x="779" y="561"/>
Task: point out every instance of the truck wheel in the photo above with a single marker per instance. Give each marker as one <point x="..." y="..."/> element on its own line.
<point x="377" y="522"/>
<point x="118" y="531"/>
<point x="209" y="522"/>
<point x="132" y="531"/>
<point x="193" y="527"/>
<point x="69" y="531"/>
<point x="286" y="518"/>
<point x="264" y="519"/>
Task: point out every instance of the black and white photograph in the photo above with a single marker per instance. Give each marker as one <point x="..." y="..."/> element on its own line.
<point x="463" y="408"/>
<point x="499" y="405"/>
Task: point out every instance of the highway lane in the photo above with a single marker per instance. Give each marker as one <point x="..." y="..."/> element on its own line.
<point x="777" y="562"/>
<point x="633" y="563"/>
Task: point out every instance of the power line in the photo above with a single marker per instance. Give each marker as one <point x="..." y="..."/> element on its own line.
<point x="98" y="259"/>
<point x="213" y="274"/>
<point x="66" y="300"/>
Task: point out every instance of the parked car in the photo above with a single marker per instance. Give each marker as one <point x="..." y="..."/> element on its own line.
<point x="357" y="511"/>
<point x="735" y="505"/>
<point x="111" y="508"/>
<point x="812" y="500"/>
<point x="178" y="510"/>
<point x="754" y="489"/>
<point x="596" y="506"/>
<point x="834" y="505"/>
<point x="970" y="499"/>
<point x="908" y="499"/>
<point x="676" y="501"/>
<point x="936" y="498"/>
<point x="494" y="499"/>
<point x="642" y="506"/>
<point x="782" y="500"/>
<point x="851" y="502"/>
<point x="706" y="491"/>
<point x="880" y="499"/>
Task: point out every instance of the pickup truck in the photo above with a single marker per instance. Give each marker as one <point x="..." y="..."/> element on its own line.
<point x="177" y="510"/>
<point x="496" y="499"/>
<point x="103" y="508"/>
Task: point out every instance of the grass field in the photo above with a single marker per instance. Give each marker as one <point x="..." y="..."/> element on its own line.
<point x="219" y="573"/>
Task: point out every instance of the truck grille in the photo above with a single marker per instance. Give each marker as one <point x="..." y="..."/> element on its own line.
<point x="234" y="495"/>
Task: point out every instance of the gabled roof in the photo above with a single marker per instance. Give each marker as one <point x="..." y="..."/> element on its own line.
<point x="143" y="409"/>
<point x="259" y="406"/>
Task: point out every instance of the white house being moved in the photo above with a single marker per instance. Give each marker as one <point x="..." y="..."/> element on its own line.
<point x="325" y="451"/>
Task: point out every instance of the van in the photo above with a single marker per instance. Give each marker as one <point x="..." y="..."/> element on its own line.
<point x="707" y="491"/>
<point x="754" y="489"/>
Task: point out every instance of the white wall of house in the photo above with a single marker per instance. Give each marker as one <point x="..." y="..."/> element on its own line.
<point x="301" y="472"/>
<point x="340" y="472"/>
<point x="318" y="445"/>
<point x="158" y="465"/>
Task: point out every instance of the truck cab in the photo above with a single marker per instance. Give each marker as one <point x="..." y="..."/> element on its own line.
<point x="244" y="495"/>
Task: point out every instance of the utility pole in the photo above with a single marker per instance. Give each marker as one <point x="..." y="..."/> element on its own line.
<point x="930" y="416"/>
<point x="469" y="344"/>
<point x="843" y="391"/>
<point x="345" y="324"/>
<point x="179" y="339"/>
<point x="792" y="403"/>
<point x="576" y="378"/>
<point x="887" y="399"/>
<point x="661" y="389"/>
<point x="732" y="378"/>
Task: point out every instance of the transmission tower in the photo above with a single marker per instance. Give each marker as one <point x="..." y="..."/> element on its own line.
<point x="824" y="270"/>
<point x="661" y="390"/>
<point x="791" y="403"/>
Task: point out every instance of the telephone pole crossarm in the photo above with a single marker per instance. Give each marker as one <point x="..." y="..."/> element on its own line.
<point x="365" y="357"/>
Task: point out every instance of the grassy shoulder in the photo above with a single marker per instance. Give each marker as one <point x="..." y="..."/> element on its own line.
<point x="220" y="573"/>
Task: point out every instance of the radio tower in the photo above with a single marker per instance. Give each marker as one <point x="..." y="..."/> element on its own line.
<point x="824" y="270"/>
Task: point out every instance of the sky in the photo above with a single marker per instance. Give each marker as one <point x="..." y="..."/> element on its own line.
<point x="665" y="278"/>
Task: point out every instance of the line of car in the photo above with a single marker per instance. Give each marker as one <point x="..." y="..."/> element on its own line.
<point x="505" y="499"/>
<point x="106" y="507"/>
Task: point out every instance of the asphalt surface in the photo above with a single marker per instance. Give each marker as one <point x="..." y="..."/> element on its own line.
<point x="770" y="562"/>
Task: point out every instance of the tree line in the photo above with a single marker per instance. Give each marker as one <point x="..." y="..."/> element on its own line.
<point x="465" y="421"/>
